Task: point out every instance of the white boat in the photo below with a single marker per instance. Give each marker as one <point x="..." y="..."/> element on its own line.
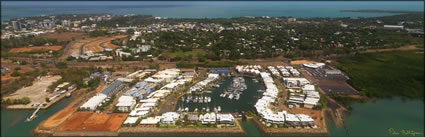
<point x="186" y="109"/>
<point x="203" y="109"/>
<point x="209" y="99"/>
<point x="237" y="96"/>
<point x="217" y="85"/>
<point x="231" y="96"/>
<point x="208" y="109"/>
<point x="219" y="109"/>
<point x="205" y="99"/>
<point x="215" y="110"/>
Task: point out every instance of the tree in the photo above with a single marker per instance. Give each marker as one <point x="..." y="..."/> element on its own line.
<point x="18" y="68"/>
<point x="15" y="74"/>
<point x="130" y="31"/>
<point x="61" y="65"/>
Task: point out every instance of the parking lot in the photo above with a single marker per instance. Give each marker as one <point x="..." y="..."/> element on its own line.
<point x="332" y="83"/>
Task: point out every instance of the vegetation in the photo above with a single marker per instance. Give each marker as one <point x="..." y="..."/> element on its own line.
<point x="386" y="74"/>
<point x="24" y="80"/>
<point x="23" y="100"/>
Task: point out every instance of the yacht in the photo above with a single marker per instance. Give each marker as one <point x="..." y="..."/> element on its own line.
<point x="231" y="96"/>
<point x="237" y="96"/>
<point x="219" y="109"/>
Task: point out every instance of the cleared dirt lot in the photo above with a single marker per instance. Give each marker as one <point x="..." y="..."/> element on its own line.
<point x="297" y="62"/>
<point x="36" y="92"/>
<point x="96" y="45"/>
<point x="37" y="48"/>
<point x="64" y="36"/>
<point x="91" y="121"/>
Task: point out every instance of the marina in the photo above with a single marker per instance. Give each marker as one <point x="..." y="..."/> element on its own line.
<point x="216" y="101"/>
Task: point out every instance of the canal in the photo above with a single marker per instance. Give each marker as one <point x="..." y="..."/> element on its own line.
<point x="12" y="121"/>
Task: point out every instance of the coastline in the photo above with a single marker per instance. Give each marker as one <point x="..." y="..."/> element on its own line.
<point x="322" y="131"/>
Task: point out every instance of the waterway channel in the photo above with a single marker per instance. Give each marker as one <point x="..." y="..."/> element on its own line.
<point x="12" y="121"/>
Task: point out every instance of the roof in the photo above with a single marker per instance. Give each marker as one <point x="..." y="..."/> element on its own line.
<point x="111" y="87"/>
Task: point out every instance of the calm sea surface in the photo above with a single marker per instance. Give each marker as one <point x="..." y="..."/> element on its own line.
<point x="371" y="119"/>
<point x="207" y="9"/>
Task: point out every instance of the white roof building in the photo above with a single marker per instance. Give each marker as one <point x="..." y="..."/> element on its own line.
<point x="169" y="118"/>
<point x="94" y="102"/>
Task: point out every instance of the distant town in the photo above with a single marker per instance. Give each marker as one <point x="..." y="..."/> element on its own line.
<point x="140" y="75"/>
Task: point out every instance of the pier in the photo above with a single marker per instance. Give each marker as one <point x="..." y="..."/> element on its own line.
<point x="33" y="114"/>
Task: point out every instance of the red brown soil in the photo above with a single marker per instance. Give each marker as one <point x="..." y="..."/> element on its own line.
<point x="63" y="36"/>
<point x="29" y="49"/>
<point x="91" y="121"/>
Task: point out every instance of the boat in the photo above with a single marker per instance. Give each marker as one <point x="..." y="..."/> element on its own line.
<point x="208" y="91"/>
<point x="217" y="85"/>
<point x="209" y="99"/>
<point x="195" y="100"/>
<point x="203" y="109"/>
<point x="231" y="96"/>
<point x="223" y="95"/>
<point x="205" y="99"/>
<point x="208" y="109"/>
<point x="68" y="95"/>
<point x="218" y="108"/>
<point x="237" y="96"/>
<point x="196" y="110"/>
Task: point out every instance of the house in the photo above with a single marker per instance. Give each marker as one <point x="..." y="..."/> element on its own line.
<point x="295" y="82"/>
<point x="169" y="118"/>
<point x="192" y="118"/>
<point x="189" y="76"/>
<point x="208" y="118"/>
<point x="125" y="103"/>
<point x="225" y="119"/>
<point x="150" y="120"/>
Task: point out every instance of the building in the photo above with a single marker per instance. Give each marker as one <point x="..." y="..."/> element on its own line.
<point x="208" y="118"/>
<point x="151" y="120"/>
<point x="225" y="119"/>
<point x="393" y="27"/>
<point x="169" y="118"/>
<point x="222" y="71"/>
<point x="332" y="72"/>
<point x="295" y="82"/>
<point x="16" y="25"/>
<point x="125" y="103"/>
<point x="113" y="88"/>
<point x="94" y="102"/>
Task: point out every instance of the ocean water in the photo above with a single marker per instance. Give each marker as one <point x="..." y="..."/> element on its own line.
<point x="207" y="9"/>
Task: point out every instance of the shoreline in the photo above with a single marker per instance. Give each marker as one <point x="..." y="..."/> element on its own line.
<point x="323" y="131"/>
<point x="15" y="107"/>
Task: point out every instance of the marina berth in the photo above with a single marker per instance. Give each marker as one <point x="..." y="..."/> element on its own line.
<point x="202" y="84"/>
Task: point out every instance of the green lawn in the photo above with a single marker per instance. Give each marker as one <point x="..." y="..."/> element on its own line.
<point x="193" y="53"/>
<point x="386" y="74"/>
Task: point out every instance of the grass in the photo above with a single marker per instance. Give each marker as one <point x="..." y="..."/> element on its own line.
<point x="386" y="74"/>
<point x="194" y="53"/>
